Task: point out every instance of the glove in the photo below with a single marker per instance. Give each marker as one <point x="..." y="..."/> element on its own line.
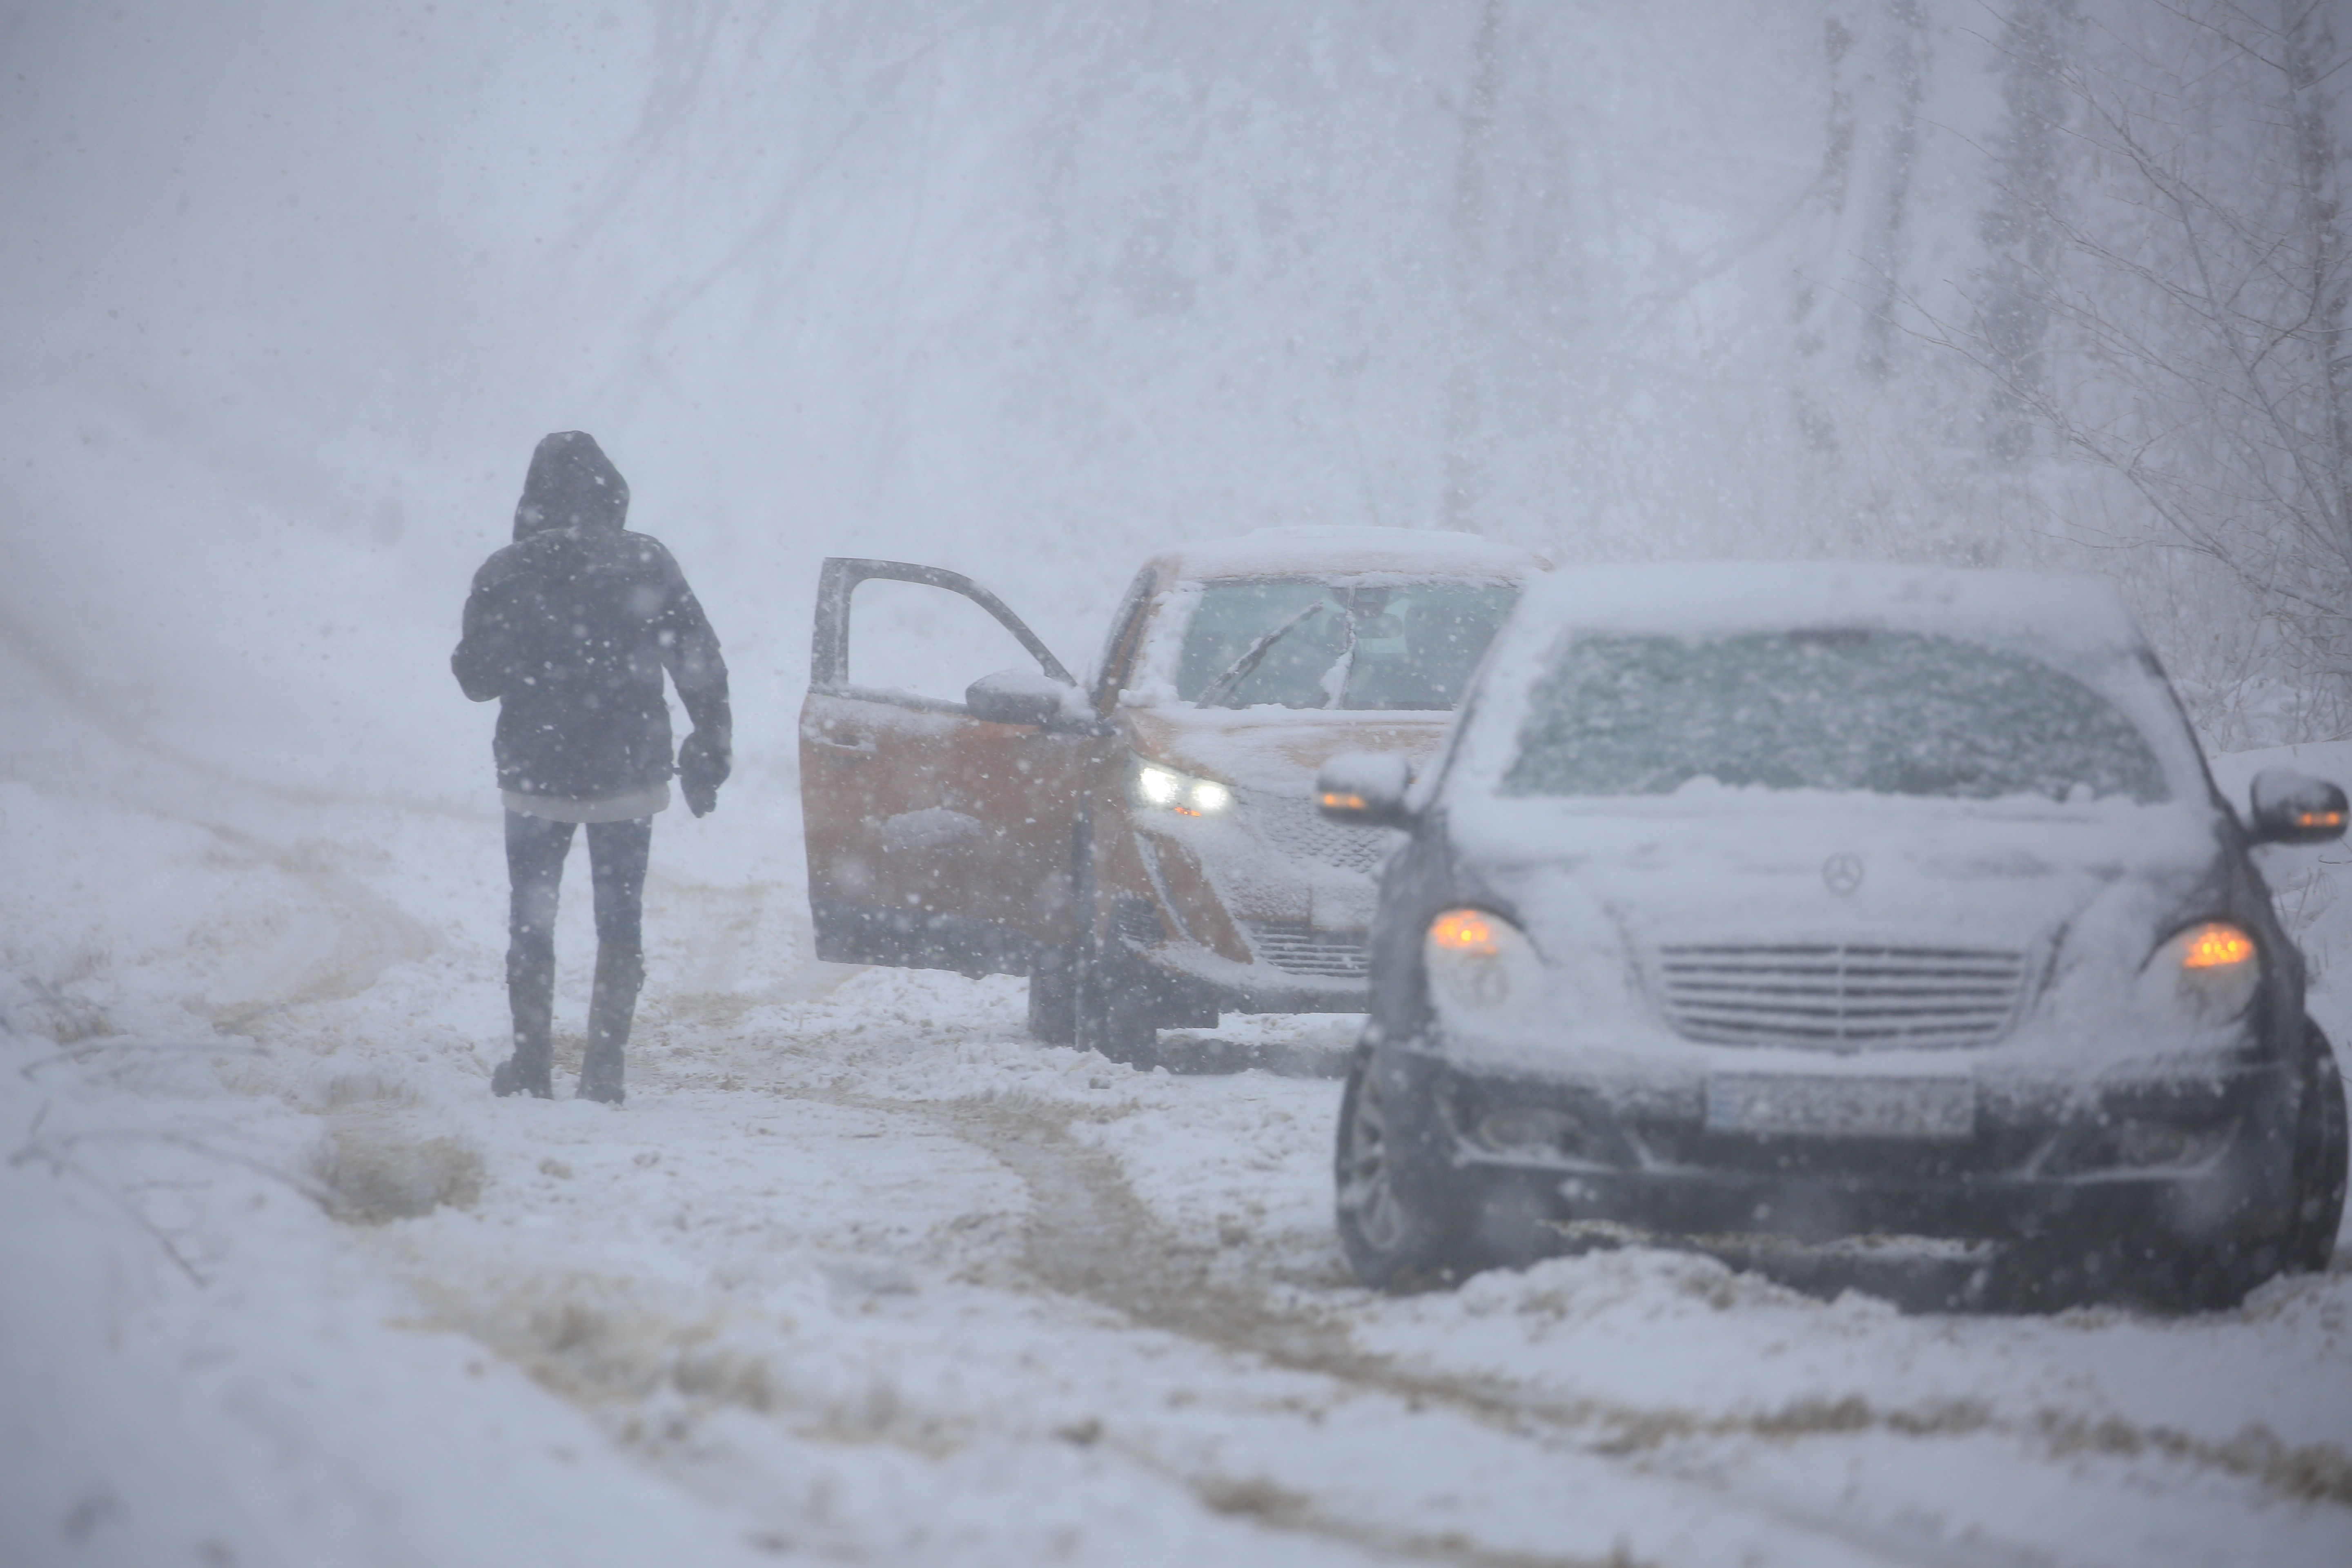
<point x="702" y="767"/>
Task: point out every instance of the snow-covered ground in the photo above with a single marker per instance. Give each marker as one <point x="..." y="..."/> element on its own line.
<point x="861" y="1275"/>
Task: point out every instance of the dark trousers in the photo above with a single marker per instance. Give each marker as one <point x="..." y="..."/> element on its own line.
<point x="617" y="852"/>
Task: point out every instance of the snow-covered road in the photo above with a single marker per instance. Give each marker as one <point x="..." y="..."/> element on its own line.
<point x="859" y="1274"/>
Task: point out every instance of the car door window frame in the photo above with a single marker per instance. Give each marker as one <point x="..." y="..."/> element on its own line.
<point x="1118" y="648"/>
<point x="829" y="660"/>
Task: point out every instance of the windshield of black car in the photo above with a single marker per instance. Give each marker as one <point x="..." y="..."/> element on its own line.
<point x="1885" y="713"/>
<point x="1305" y="642"/>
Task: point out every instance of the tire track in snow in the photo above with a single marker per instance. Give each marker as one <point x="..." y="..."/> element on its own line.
<point x="1088" y="1236"/>
<point x="369" y="934"/>
<point x="365" y="934"/>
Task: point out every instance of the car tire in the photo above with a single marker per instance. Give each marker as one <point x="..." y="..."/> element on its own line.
<point x="1053" y="997"/>
<point x="1112" y="1008"/>
<point x="1395" y="1200"/>
<point x="2321" y="1154"/>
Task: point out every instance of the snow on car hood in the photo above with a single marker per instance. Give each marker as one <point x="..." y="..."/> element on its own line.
<point x="1275" y="748"/>
<point x="1746" y="865"/>
<point x="2080" y="893"/>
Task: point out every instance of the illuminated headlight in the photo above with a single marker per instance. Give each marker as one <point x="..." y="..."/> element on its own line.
<point x="2209" y="970"/>
<point x="1481" y="967"/>
<point x="1168" y="790"/>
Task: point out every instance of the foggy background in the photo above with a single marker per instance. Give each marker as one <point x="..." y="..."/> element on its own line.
<point x="289" y="289"/>
<point x="1028" y="290"/>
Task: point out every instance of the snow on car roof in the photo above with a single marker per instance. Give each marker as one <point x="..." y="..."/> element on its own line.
<point x="2062" y="614"/>
<point x="1275" y="552"/>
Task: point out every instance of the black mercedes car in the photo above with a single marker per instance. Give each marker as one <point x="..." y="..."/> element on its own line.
<point x="1817" y="902"/>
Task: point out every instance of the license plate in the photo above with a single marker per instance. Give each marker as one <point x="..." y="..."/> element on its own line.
<point x="1819" y="1105"/>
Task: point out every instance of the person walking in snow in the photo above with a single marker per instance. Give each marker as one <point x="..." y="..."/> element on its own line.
<point x="571" y="627"/>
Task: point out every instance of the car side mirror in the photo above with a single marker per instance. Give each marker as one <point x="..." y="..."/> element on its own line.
<point x="1024" y="697"/>
<point x="1366" y="789"/>
<point x="2295" y="808"/>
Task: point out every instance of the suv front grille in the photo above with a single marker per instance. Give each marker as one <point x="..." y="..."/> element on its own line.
<point x="1841" y="997"/>
<point x="1296" y="826"/>
<point x="1303" y="950"/>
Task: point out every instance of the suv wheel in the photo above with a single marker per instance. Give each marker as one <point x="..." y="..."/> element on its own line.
<point x="1113" y="1006"/>
<point x="1395" y="1205"/>
<point x="2320" y="1155"/>
<point x="1053" y="997"/>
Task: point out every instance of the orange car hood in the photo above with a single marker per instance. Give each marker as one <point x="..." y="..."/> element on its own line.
<point x="1274" y="748"/>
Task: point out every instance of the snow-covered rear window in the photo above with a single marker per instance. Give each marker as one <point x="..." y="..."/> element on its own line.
<point x="1885" y="713"/>
<point x="1304" y="642"/>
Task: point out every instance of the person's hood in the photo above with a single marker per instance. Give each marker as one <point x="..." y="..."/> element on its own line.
<point x="572" y="484"/>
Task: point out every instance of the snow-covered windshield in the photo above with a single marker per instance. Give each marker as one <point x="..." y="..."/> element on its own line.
<point x="1880" y="712"/>
<point x="1304" y="642"/>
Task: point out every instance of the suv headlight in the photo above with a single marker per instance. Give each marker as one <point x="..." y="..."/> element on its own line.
<point x="2208" y="971"/>
<point x="1481" y="967"/>
<point x="1162" y="788"/>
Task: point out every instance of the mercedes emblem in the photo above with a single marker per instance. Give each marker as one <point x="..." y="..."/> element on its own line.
<point x="1841" y="872"/>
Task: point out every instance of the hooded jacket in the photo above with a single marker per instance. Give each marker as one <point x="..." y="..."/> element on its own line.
<point x="571" y="627"/>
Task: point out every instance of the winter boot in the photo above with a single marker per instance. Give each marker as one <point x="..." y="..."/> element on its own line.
<point x="620" y="971"/>
<point x="531" y="996"/>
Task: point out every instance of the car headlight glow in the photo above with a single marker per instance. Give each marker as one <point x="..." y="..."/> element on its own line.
<point x="1480" y="965"/>
<point x="1165" y="787"/>
<point x="2210" y="970"/>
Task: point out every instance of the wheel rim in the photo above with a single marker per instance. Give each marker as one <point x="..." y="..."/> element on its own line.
<point x="1367" y="1192"/>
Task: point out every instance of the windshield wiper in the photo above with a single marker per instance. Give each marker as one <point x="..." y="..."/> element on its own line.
<point x="1335" y="679"/>
<point x="1239" y="670"/>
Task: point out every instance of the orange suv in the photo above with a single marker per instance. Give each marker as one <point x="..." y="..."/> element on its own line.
<point x="1143" y="844"/>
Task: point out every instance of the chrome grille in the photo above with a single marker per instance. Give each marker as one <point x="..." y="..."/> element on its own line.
<point x="1841" y="995"/>
<point x="1302" y="950"/>
<point x="1299" y="828"/>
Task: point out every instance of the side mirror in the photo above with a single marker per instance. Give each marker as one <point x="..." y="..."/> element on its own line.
<point x="2295" y="808"/>
<point x="1024" y="697"/>
<point x="1365" y="789"/>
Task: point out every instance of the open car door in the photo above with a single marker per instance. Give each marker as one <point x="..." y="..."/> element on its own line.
<point x="938" y="838"/>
